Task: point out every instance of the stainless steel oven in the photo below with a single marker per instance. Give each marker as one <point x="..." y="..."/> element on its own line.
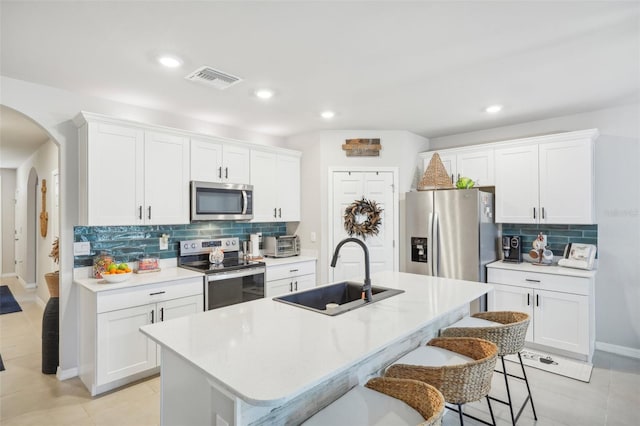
<point x="235" y="280"/>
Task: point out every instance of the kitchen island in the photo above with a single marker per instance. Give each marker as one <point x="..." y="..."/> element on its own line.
<point x="265" y="362"/>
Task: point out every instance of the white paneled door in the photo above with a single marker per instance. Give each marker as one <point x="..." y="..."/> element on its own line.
<point x="348" y="187"/>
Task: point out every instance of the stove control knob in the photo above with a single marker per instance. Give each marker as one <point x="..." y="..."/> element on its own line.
<point x="233" y="243"/>
<point x="228" y="243"/>
<point x="186" y="245"/>
<point x="193" y="245"/>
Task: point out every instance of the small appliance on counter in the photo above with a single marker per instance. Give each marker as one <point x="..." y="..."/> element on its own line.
<point x="282" y="246"/>
<point x="511" y="248"/>
<point x="580" y="256"/>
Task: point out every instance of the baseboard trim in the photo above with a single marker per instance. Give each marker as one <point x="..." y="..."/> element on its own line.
<point x="40" y="302"/>
<point x="9" y="275"/>
<point x="618" y="350"/>
<point x="66" y="374"/>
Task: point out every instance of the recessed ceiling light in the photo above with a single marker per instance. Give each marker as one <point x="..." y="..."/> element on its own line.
<point x="327" y="114"/>
<point x="264" y="93"/>
<point x="169" y="61"/>
<point x="493" y="109"/>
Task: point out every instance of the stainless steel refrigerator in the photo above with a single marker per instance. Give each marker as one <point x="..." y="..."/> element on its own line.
<point x="452" y="234"/>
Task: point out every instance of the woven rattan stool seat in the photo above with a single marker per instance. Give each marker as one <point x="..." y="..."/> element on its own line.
<point x="459" y="383"/>
<point x="507" y="329"/>
<point x="384" y="401"/>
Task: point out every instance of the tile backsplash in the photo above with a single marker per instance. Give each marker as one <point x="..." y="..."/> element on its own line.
<point x="557" y="235"/>
<point x="128" y="243"/>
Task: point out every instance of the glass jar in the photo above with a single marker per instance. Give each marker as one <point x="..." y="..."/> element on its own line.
<point x="101" y="263"/>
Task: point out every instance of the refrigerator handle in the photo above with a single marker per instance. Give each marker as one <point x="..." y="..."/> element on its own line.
<point x="430" y="245"/>
<point x="436" y="246"/>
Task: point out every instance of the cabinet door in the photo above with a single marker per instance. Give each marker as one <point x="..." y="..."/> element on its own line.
<point x="181" y="307"/>
<point x="122" y="350"/>
<point x="448" y="161"/>
<point x="206" y="160"/>
<point x="166" y="179"/>
<point x="517" y="184"/>
<point x="277" y="287"/>
<point x="562" y="321"/>
<point x="114" y="175"/>
<point x="512" y="298"/>
<point x="288" y="188"/>
<point x="477" y="165"/>
<point x="236" y="161"/>
<point x="304" y="282"/>
<point x="566" y="182"/>
<point x="263" y="179"/>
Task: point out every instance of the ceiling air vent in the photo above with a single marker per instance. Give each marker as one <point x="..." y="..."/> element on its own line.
<point x="212" y="77"/>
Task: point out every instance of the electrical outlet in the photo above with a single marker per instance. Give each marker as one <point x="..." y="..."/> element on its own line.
<point x="163" y="242"/>
<point x="82" y="248"/>
<point x="312" y="237"/>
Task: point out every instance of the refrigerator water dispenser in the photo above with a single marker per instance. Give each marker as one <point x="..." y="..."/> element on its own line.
<point x="418" y="249"/>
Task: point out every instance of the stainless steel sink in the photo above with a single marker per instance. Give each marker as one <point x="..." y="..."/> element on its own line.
<point x="347" y="294"/>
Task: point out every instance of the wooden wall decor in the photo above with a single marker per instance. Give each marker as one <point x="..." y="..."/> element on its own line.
<point x="44" y="216"/>
<point x="362" y="147"/>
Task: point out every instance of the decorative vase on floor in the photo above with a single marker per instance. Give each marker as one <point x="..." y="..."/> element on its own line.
<point x="51" y="326"/>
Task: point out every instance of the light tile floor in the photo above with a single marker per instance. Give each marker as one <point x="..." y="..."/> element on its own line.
<point x="28" y="397"/>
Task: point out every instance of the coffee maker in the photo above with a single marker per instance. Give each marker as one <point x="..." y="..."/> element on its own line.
<point x="511" y="248"/>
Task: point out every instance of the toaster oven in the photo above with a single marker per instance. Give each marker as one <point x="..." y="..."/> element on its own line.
<point x="282" y="246"/>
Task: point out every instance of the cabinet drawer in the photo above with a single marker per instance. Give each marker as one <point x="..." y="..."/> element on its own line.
<point x="289" y="270"/>
<point x="152" y="293"/>
<point x="537" y="280"/>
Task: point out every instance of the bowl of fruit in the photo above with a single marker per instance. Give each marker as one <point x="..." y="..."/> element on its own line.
<point x="117" y="273"/>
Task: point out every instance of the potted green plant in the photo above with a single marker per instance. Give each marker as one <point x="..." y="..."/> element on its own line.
<point x="53" y="278"/>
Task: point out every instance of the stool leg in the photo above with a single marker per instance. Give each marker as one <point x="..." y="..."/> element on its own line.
<point x="524" y="374"/>
<point x="493" y="419"/>
<point x="460" y="414"/>
<point x="506" y="382"/>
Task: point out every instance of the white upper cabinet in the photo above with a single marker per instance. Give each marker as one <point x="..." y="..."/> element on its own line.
<point x="547" y="179"/>
<point x="476" y="163"/>
<point x="132" y="176"/>
<point x="276" y="186"/>
<point x="215" y="161"/>
<point x="517" y="184"/>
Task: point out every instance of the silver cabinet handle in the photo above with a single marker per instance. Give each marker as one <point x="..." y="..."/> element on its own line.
<point x="537" y="300"/>
<point x="140" y="212"/>
<point x="220" y="172"/>
<point x="543" y="212"/>
<point x="528" y="299"/>
<point x="531" y="281"/>
<point x="293" y="270"/>
<point x="149" y="214"/>
<point x="279" y="212"/>
<point x="226" y="173"/>
<point x="296" y="285"/>
<point x="161" y="314"/>
<point x="152" y="321"/>
<point x="291" y="286"/>
<point x="534" y="212"/>
<point x="157" y="292"/>
<point x="275" y="212"/>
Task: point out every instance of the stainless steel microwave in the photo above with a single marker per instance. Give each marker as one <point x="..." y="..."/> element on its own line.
<point x="221" y="201"/>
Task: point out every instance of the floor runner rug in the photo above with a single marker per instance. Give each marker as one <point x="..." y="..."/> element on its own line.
<point x="556" y="364"/>
<point x="8" y="303"/>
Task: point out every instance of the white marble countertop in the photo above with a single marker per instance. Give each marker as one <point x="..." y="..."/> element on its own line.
<point x="168" y="274"/>
<point x="273" y="261"/>
<point x="551" y="269"/>
<point x="266" y="352"/>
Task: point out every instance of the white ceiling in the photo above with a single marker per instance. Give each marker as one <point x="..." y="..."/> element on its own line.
<point x="427" y="67"/>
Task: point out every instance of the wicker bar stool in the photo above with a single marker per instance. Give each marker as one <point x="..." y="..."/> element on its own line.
<point x="459" y="367"/>
<point x="384" y="401"/>
<point x="507" y="330"/>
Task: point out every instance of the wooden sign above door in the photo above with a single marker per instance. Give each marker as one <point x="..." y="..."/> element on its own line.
<point x="362" y="147"/>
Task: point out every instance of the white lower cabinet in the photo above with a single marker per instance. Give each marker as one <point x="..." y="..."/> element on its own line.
<point x="113" y="350"/>
<point x="290" y="277"/>
<point x="561" y="306"/>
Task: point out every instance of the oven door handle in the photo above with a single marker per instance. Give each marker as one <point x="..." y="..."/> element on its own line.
<point x="241" y="273"/>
